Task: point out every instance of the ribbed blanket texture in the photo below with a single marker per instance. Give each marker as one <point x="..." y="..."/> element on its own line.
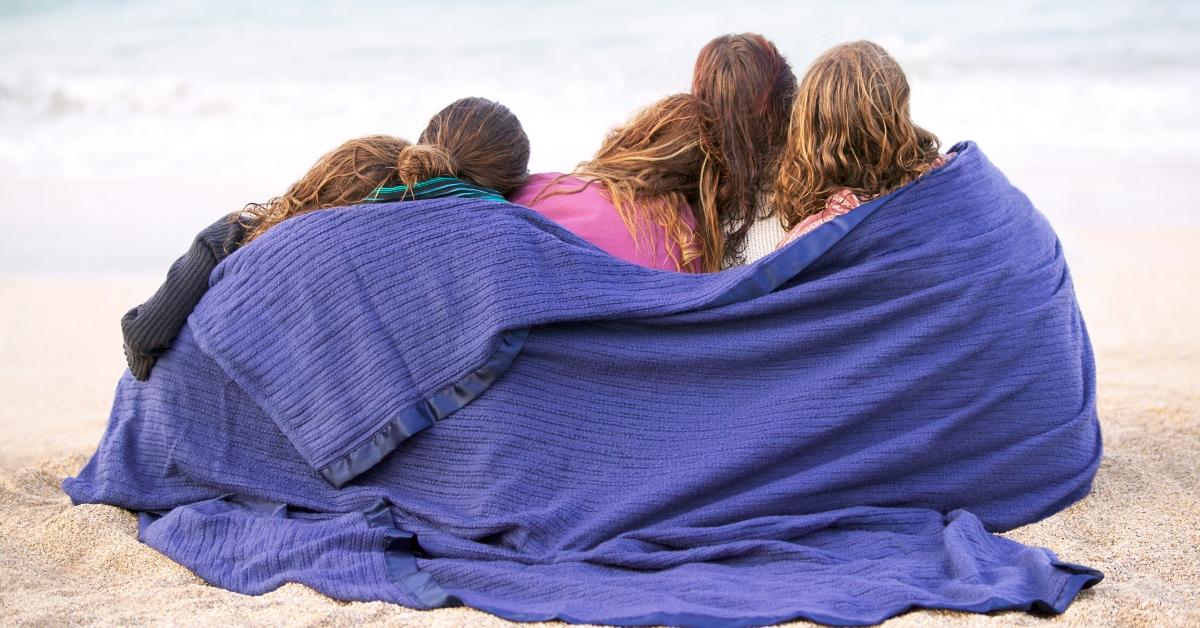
<point x="457" y="401"/>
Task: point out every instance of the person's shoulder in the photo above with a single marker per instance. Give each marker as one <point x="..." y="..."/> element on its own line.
<point x="223" y="236"/>
<point x="547" y="187"/>
<point x="532" y="187"/>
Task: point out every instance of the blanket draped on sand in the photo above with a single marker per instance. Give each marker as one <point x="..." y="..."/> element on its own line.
<point x="457" y="401"/>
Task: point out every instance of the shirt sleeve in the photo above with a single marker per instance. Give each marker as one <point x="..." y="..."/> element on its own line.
<point x="149" y="328"/>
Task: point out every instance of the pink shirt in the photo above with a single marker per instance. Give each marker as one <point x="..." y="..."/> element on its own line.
<point x="590" y="215"/>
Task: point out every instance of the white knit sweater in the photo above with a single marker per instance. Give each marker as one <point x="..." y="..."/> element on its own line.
<point x="765" y="234"/>
<point x="762" y="238"/>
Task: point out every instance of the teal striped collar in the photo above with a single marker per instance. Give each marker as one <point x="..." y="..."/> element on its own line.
<point x="437" y="187"/>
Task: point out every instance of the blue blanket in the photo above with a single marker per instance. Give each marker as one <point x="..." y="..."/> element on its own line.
<point x="458" y="402"/>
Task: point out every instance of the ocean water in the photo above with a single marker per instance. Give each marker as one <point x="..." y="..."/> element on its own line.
<point x="127" y="126"/>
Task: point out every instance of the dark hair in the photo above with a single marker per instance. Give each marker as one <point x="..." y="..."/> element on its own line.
<point x="485" y="141"/>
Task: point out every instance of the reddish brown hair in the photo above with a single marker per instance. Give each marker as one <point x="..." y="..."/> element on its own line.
<point x="850" y="128"/>
<point x="713" y="149"/>
<point x="747" y="88"/>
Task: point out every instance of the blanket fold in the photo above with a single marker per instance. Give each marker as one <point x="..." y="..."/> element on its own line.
<point x="835" y="432"/>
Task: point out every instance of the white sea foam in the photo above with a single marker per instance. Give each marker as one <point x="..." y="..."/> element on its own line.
<point x="172" y="113"/>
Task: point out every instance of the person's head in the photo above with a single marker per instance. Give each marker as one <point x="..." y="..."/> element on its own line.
<point x="474" y="139"/>
<point x="485" y="140"/>
<point x="650" y="167"/>
<point x="747" y="89"/>
<point x="345" y="176"/>
<point x="850" y="128"/>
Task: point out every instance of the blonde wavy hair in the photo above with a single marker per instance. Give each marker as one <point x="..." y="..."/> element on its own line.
<point x="649" y="168"/>
<point x="850" y="128"/>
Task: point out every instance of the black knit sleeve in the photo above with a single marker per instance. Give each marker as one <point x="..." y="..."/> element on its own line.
<point x="150" y="327"/>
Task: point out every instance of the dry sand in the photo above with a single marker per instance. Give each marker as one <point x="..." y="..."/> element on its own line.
<point x="60" y="356"/>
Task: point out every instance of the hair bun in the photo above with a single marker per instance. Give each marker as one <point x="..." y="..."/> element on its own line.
<point x="418" y="162"/>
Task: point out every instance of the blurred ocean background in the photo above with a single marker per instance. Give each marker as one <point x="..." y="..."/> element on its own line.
<point x="125" y="127"/>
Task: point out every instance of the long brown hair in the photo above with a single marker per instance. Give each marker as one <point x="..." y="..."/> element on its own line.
<point x="486" y="140"/>
<point x="747" y="88"/>
<point x="713" y="149"/>
<point x="649" y="170"/>
<point x="850" y="128"/>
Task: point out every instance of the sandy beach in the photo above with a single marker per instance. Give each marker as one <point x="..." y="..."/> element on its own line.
<point x="60" y="356"/>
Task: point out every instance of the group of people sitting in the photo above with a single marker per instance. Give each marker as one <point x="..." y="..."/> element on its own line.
<point x="748" y="161"/>
<point x="551" y="381"/>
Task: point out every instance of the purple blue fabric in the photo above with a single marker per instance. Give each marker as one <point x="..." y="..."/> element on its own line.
<point x="459" y="402"/>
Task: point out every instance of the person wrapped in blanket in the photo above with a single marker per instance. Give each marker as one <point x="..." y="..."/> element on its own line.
<point x="472" y="148"/>
<point x="678" y="186"/>
<point x="851" y="139"/>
